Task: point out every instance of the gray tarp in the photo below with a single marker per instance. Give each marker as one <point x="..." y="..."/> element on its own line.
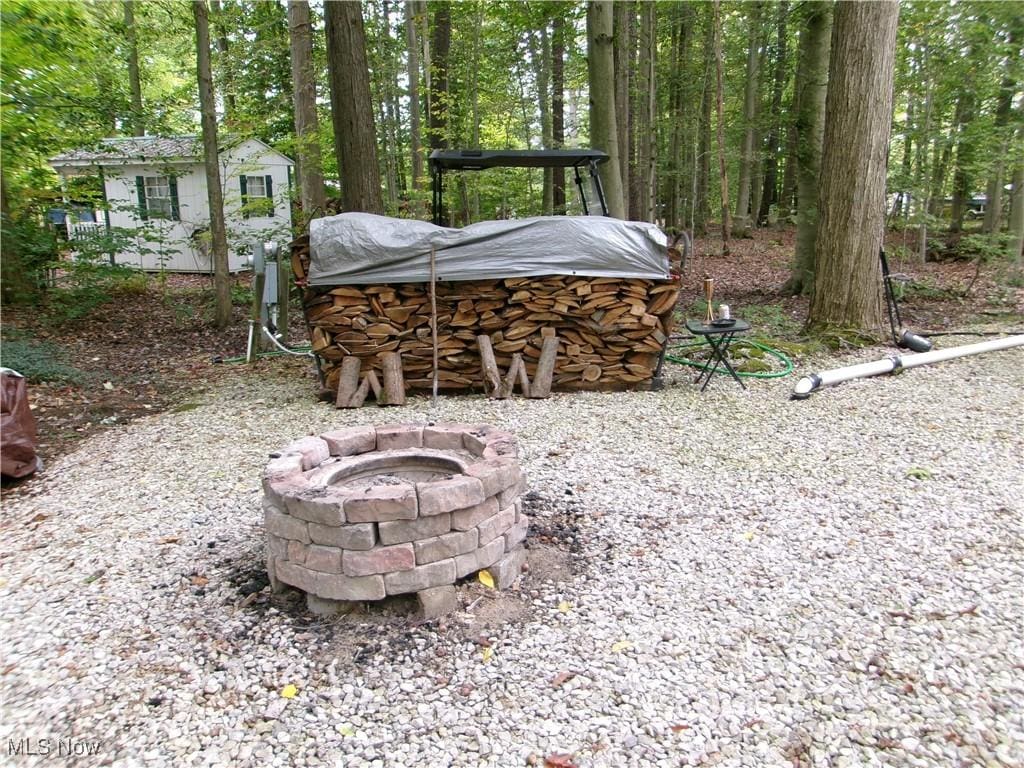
<point x="361" y="248"/>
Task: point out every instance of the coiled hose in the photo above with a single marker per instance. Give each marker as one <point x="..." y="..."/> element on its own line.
<point x="787" y="364"/>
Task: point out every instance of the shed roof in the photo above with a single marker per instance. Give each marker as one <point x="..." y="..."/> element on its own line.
<point x="142" y="149"/>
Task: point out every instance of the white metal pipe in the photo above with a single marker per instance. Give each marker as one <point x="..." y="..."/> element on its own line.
<point x="812" y="383"/>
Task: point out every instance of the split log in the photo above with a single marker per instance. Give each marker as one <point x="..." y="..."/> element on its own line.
<point x="541" y="386"/>
<point x="492" y="378"/>
<point x="348" y="381"/>
<point x="394" y="381"/>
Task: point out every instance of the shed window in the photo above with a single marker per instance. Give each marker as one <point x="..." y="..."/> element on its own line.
<point x="158" y="196"/>
<point x="257" y="195"/>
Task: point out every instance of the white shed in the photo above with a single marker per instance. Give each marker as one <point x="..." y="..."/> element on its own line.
<point x="158" y="207"/>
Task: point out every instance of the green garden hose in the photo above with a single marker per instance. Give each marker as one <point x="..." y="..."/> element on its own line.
<point x="780" y="356"/>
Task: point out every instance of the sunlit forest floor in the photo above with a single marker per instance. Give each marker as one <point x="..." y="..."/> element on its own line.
<point x="149" y="346"/>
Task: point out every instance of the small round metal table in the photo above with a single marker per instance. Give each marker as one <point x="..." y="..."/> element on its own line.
<point x="719" y="337"/>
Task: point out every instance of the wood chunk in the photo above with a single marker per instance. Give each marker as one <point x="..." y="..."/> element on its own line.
<point x="591" y="373"/>
<point x="491" y="375"/>
<point x="348" y="382"/>
<point x="541" y="386"/>
<point x="394" y="382"/>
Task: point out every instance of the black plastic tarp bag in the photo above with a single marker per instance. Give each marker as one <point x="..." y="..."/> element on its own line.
<point x="18" y="437"/>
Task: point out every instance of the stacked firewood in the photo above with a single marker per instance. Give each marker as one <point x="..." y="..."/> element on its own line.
<point x="610" y="331"/>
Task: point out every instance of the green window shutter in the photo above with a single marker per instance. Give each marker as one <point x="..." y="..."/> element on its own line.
<point x="269" y="182"/>
<point x="172" y="183"/>
<point x="140" y="187"/>
<point x="242" y="184"/>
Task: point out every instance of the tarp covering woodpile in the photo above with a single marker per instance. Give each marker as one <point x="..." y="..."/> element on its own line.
<point x="602" y="285"/>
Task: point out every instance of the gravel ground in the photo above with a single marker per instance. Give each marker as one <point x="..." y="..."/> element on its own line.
<point x="725" y="578"/>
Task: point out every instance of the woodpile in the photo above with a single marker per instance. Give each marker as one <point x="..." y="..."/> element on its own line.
<point x="609" y="331"/>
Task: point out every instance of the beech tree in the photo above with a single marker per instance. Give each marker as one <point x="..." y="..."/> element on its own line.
<point x="847" y="290"/>
<point x="208" y="111"/>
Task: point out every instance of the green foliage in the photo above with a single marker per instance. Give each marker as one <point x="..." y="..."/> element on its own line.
<point x="985" y="247"/>
<point x="919" y="473"/>
<point x="37" y="360"/>
<point x="28" y="249"/>
<point x="84" y="285"/>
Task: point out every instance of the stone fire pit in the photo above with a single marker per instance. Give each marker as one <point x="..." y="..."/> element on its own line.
<point x="366" y="512"/>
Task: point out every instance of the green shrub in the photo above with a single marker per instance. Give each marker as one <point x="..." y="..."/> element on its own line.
<point x="38" y="360"/>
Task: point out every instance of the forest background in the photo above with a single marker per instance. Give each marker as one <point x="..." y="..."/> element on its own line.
<point x="717" y="120"/>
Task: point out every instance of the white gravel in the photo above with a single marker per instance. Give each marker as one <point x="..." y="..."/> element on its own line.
<point x="754" y="582"/>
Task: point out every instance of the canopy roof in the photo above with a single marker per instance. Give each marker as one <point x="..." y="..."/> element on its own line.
<point x="478" y="159"/>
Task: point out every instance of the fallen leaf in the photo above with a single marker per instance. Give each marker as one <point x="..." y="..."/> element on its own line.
<point x="486" y="579"/>
<point x="107" y="385"/>
<point x="561" y="678"/>
<point x="200" y="581"/>
<point x="346" y="730"/>
<point x="169" y="540"/>
<point x="488" y="654"/>
<point x="749" y="535"/>
<point x="680" y="727"/>
<point x="559" y="761"/>
<point x="564" y="607"/>
<point x="289" y="691"/>
<point x="622" y="645"/>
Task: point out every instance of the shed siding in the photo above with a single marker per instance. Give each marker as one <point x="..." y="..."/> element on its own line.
<point x="173" y="245"/>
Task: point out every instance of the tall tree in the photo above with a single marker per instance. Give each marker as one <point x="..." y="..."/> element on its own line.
<point x="307" y="124"/>
<point x="223" y="49"/>
<point x="647" y="128"/>
<point x="208" y="112"/>
<point x="623" y="29"/>
<point x="1004" y="111"/>
<point x="741" y="223"/>
<point x="720" y="110"/>
<point x="440" y="49"/>
<point x="413" y="75"/>
<point x="812" y="81"/>
<point x="355" y="141"/>
<point x="702" y="158"/>
<point x="558" y="108"/>
<point x="773" y="149"/>
<point x="604" y="134"/>
<point x="851" y="198"/>
<point x="138" y="120"/>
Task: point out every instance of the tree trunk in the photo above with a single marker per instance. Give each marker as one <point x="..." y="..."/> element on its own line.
<point x="702" y="159"/>
<point x="438" y="117"/>
<point x="720" y="97"/>
<point x="558" y="108"/>
<point x="307" y="130"/>
<point x="964" y="158"/>
<point x="851" y="201"/>
<point x="134" y="81"/>
<point x="543" y="100"/>
<point x="355" y="140"/>
<point x="812" y="76"/>
<point x="1017" y="220"/>
<point x="414" y="93"/>
<point x="1004" y="109"/>
<point x="624" y="13"/>
<point x="208" y="111"/>
<point x="741" y="223"/>
<point x="604" y="133"/>
<point x="225" y="62"/>
<point x="646" y="125"/>
<point x="770" y="194"/>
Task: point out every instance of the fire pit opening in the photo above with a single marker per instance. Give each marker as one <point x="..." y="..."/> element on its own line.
<point x="366" y="512"/>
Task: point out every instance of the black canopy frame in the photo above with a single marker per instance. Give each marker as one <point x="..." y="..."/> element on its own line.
<point x="482" y="159"/>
